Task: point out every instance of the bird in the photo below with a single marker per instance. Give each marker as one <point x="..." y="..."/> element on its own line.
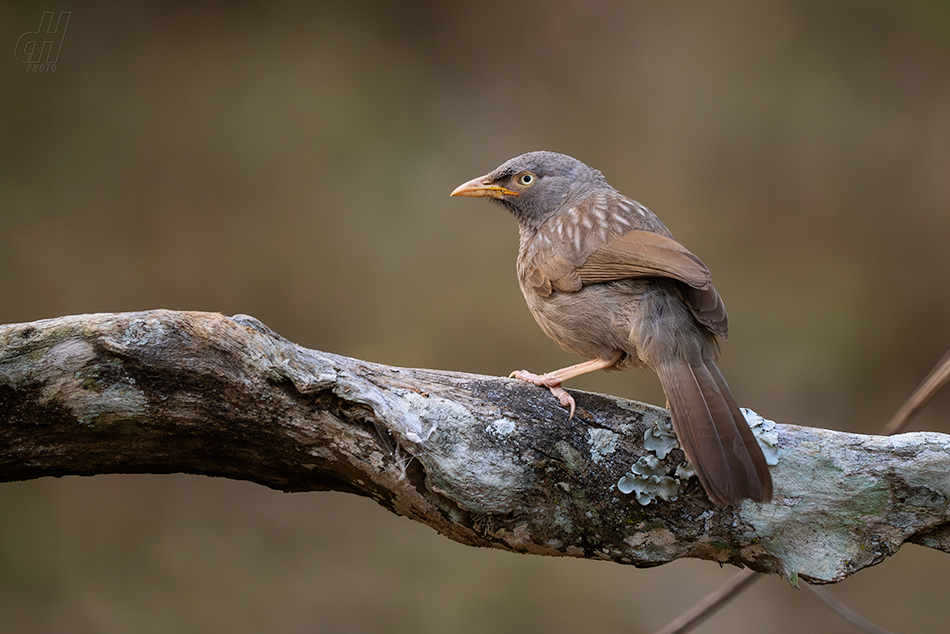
<point x="605" y="279"/>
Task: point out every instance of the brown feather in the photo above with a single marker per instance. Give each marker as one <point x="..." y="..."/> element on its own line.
<point x="644" y="254"/>
<point x="714" y="434"/>
<point x="706" y="305"/>
<point x="561" y="273"/>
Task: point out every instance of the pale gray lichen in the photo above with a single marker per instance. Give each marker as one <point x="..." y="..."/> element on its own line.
<point x="766" y="433"/>
<point x="660" y="438"/>
<point x="647" y="479"/>
<point x="648" y="466"/>
<point x="602" y="442"/>
<point x="457" y="464"/>
<point x="685" y="471"/>
<point x="501" y="428"/>
<point x="141" y="332"/>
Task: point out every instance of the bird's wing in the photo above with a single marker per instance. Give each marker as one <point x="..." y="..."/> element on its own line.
<point x="609" y="249"/>
<point x="644" y="254"/>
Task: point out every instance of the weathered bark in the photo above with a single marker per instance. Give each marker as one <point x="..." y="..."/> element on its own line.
<point x="483" y="460"/>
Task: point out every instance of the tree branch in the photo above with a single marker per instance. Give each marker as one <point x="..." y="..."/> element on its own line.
<point x="483" y="460"/>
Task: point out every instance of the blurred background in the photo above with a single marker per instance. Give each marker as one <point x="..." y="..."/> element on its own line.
<point x="293" y="161"/>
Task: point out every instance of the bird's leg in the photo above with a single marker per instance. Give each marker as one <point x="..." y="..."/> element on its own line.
<point x="553" y="380"/>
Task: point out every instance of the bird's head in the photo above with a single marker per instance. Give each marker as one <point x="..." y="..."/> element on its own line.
<point x="536" y="185"/>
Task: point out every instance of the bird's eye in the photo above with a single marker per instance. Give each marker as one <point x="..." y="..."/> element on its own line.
<point x="526" y="179"/>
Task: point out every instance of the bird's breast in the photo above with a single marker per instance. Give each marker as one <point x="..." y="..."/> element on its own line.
<point x="594" y="322"/>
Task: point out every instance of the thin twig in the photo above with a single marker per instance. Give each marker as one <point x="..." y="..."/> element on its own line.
<point x="937" y="378"/>
<point x="845" y="612"/>
<point x="711" y="603"/>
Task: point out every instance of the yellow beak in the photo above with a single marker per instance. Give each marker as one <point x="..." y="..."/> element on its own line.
<point x="482" y="186"/>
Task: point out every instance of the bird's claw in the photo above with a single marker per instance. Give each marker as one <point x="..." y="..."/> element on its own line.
<point x="565" y="399"/>
<point x="529" y="377"/>
<point x="553" y="384"/>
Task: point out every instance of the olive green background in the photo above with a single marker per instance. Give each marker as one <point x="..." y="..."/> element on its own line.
<point x="294" y="162"/>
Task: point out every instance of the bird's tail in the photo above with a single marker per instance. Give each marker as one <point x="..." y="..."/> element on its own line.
<point x="714" y="433"/>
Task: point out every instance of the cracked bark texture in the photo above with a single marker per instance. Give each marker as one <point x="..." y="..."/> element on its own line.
<point x="485" y="461"/>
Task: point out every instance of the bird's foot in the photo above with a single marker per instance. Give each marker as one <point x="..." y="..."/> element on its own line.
<point x="553" y="383"/>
